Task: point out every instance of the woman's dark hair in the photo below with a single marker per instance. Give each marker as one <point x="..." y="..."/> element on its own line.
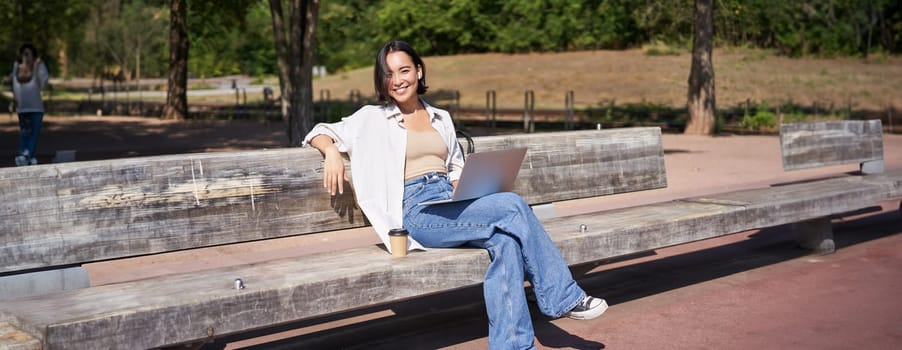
<point x="26" y="46"/>
<point x="381" y="73"/>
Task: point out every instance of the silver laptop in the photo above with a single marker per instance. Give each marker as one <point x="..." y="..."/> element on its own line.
<point x="486" y="173"/>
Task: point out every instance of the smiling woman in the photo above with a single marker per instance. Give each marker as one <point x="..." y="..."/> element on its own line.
<point x="404" y="153"/>
<point x="401" y="57"/>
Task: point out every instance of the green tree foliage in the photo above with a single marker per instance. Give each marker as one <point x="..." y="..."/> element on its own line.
<point x="344" y="34"/>
<point x="608" y="25"/>
<point x="125" y="40"/>
<point x="812" y="27"/>
<point x="794" y="28"/>
<point x="46" y="24"/>
<point x="227" y="37"/>
<point x="456" y="26"/>
<point x="258" y="56"/>
<point x="666" y="20"/>
<point x="511" y="26"/>
<point x="90" y="37"/>
<point x="541" y="25"/>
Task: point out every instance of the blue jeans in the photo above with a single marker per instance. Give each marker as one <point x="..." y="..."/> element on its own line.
<point x="29" y="129"/>
<point x="518" y="245"/>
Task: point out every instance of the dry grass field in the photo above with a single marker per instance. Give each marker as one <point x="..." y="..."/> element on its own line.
<point x="632" y="76"/>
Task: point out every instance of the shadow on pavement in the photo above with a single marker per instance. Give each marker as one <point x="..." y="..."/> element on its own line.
<point x="96" y="139"/>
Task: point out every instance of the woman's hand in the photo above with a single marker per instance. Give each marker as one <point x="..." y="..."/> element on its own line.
<point x="334" y="171"/>
<point x="333" y="165"/>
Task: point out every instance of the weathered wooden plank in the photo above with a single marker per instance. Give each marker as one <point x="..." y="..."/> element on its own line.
<point x="654" y="226"/>
<point x="580" y="164"/>
<point x="182" y="308"/>
<point x="185" y="307"/>
<point x="810" y="145"/>
<point x="70" y="213"/>
<point x="891" y="184"/>
<point x="12" y="338"/>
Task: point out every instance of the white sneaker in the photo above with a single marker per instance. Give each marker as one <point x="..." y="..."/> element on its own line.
<point x="588" y="309"/>
<point x="33" y="161"/>
<point x="21" y="160"/>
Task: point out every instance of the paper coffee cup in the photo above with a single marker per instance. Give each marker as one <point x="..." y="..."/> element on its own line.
<point x="398" y="240"/>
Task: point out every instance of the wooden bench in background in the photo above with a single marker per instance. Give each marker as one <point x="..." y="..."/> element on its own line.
<point x="821" y="144"/>
<point x="808" y="204"/>
<point x="198" y="306"/>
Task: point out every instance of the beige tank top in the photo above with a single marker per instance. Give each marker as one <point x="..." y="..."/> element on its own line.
<point x="426" y="153"/>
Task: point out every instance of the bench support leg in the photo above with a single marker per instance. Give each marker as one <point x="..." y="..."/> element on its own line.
<point x="43" y="282"/>
<point x="816" y="235"/>
<point x="871" y="167"/>
<point x="544" y="211"/>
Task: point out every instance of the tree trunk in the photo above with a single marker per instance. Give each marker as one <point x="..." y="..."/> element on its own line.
<point x="278" y="29"/>
<point x="295" y="53"/>
<point x="63" y="59"/>
<point x="177" y="91"/>
<point x="701" y="104"/>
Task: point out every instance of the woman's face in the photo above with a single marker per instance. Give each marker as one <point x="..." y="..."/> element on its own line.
<point x="402" y="77"/>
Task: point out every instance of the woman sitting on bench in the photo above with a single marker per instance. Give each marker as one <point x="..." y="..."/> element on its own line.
<point x="405" y="152"/>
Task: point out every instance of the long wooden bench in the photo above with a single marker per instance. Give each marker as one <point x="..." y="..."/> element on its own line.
<point x="198" y="306"/>
<point x="71" y="213"/>
<point x="63" y="215"/>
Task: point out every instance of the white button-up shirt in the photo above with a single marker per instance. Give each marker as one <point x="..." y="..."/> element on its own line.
<point x="375" y="140"/>
<point x="28" y="94"/>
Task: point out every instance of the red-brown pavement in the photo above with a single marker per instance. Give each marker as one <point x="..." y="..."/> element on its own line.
<point x="749" y="290"/>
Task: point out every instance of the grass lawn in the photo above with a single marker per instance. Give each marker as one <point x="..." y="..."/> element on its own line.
<point x="632" y="76"/>
<point x="598" y="78"/>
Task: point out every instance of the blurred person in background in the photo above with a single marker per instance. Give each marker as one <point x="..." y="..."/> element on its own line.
<point x="29" y="76"/>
